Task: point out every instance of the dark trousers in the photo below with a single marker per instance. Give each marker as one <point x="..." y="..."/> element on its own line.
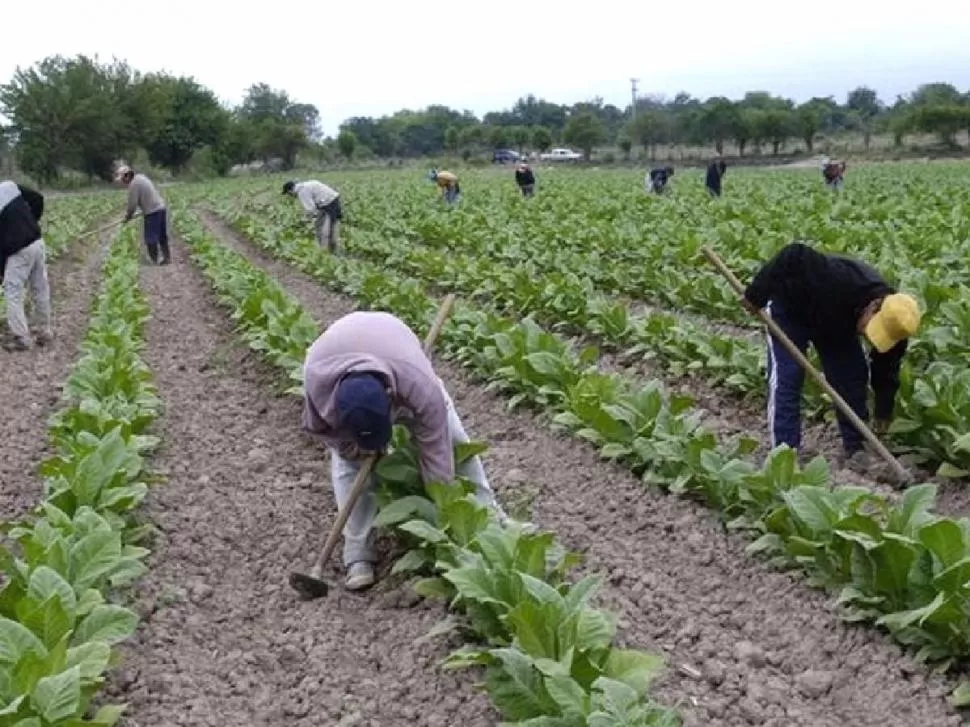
<point x="156" y="234"/>
<point x="845" y="367"/>
<point x="527" y="189"/>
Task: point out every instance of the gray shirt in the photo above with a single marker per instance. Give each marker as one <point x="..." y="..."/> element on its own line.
<point x="143" y="195"/>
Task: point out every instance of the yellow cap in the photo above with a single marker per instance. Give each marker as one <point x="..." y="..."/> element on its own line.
<point x="898" y="318"/>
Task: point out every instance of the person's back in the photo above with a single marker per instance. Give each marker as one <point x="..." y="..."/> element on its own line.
<point x="20" y="210"/>
<point x="143" y="195"/>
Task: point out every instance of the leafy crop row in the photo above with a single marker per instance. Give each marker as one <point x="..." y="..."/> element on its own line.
<point x="65" y="564"/>
<point x="549" y="658"/>
<point x="933" y="422"/>
<point x="893" y="563"/>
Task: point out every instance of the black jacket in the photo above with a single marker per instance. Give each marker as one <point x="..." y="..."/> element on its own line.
<point x="524" y="178"/>
<point x="714" y="173"/>
<point x="827" y="294"/>
<point x="20" y="211"/>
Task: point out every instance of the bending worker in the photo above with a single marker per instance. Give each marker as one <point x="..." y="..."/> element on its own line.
<point x="828" y="301"/>
<point x="322" y="203"/>
<point x="23" y="262"/>
<point x="715" y="173"/>
<point x="364" y="374"/>
<point x="448" y="184"/>
<point x="657" y="179"/>
<point x="526" y="180"/>
<point x="143" y="195"/>
<point x="833" y="173"/>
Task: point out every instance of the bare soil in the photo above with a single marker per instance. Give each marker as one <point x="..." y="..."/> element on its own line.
<point x="224" y="640"/>
<point x="769" y="650"/>
<point x="31" y="385"/>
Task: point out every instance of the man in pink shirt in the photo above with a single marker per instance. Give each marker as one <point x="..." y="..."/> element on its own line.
<point x="364" y="374"/>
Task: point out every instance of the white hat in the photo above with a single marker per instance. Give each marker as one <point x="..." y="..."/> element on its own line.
<point x="121" y="171"/>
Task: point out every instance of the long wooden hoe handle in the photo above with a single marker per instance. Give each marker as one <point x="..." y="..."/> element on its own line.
<point x="109" y="226"/>
<point x="901" y="472"/>
<point x="363" y="475"/>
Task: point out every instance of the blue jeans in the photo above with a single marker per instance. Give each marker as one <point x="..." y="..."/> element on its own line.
<point x="845" y="367"/>
<point x="156" y="234"/>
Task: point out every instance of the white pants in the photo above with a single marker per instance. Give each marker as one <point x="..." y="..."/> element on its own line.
<point x="27" y="267"/>
<point x="358" y="545"/>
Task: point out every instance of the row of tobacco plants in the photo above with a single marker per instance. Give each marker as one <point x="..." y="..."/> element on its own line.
<point x="548" y="654"/>
<point x="895" y="563"/>
<point x="933" y="421"/>
<point x="66" y="565"/>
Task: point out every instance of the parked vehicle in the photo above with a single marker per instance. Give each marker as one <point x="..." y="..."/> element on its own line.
<point x="566" y="155"/>
<point x="505" y="156"/>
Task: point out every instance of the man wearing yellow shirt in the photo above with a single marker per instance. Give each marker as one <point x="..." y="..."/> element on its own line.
<point x="448" y="184"/>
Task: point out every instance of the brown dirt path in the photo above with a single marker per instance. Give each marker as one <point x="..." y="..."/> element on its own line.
<point x="771" y="651"/>
<point x="31" y="382"/>
<point x="224" y="641"/>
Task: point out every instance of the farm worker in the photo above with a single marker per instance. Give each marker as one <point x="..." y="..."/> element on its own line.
<point x="828" y="300"/>
<point x="23" y="262"/>
<point x="656" y="180"/>
<point x="715" y="172"/>
<point x="448" y="184"/>
<point x="322" y="203"/>
<point x="525" y="179"/>
<point x="143" y="195"/>
<point x="833" y="173"/>
<point x="365" y="373"/>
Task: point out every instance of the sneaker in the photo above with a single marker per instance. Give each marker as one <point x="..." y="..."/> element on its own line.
<point x="16" y="344"/>
<point x="360" y="575"/>
<point x="45" y="338"/>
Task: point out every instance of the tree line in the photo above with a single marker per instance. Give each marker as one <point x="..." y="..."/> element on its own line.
<point x="760" y="120"/>
<point x="81" y="114"/>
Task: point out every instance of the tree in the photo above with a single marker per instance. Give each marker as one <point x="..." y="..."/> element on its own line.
<point x="776" y="126"/>
<point x="584" y="130"/>
<point x="347" y="143"/>
<point x="187" y="118"/>
<point x="521" y="136"/>
<point x="625" y="143"/>
<point x="500" y="137"/>
<point x="541" y="138"/>
<point x="945" y="120"/>
<point x="864" y="101"/>
<point x="650" y="128"/>
<point x="471" y="137"/>
<point x="717" y="121"/>
<point x="808" y="121"/>
<point x="281" y="126"/>
<point x="451" y="138"/>
<point x="64" y="113"/>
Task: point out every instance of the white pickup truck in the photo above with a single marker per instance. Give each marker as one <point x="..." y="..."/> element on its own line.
<point x="565" y="155"/>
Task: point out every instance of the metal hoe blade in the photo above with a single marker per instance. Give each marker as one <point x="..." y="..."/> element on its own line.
<point x="308" y="587"/>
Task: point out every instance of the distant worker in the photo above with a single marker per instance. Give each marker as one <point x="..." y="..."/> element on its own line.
<point x="715" y="172"/>
<point x="833" y="172"/>
<point x="365" y="373"/>
<point x="828" y="301"/>
<point x="525" y="179"/>
<point x="143" y="195"/>
<point x="448" y="184"/>
<point x="656" y="180"/>
<point x="322" y="203"/>
<point x="23" y="262"/>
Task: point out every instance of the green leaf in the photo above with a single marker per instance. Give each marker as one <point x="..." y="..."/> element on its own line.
<point x="594" y="630"/>
<point x="46" y="582"/>
<point x="58" y="697"/>
<point x="91" y="659"/>
<point x="903" y="619"/>
<point x="16" y="640"/>
<point x="464" y="451"/>
<point x="961" y="696"/>
<point x="433" y="588"/>
<point x="424" y="530"/>
<point x="107" y="623"/>
<point x="636" y="669"/>
<point x="473" y="582"/>
<point x="569" y="695"/>
<point x="411" y="561"/>
<point x="93" y="556"/>
<point x="406" y="508"/>
<point x="516" y="687"/>
<point x="944" y="539"/>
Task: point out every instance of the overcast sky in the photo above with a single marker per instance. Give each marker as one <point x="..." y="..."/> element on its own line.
<point x="371" y="57"/>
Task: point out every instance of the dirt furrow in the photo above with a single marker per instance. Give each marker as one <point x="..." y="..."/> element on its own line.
<point x="769" y="650"/>
<point x="30" y="389"/>
<point x="224" y="641"/>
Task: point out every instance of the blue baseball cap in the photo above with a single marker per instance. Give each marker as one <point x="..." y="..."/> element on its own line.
<point x="364" y="410"/>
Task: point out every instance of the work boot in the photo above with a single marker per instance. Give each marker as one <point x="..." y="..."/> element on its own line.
<point x="45" y="338"/>
<point x="153" y="252"/>
<point x="360" y="575"/>
<point x="166" y="254"/>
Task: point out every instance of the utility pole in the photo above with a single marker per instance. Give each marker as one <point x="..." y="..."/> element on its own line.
<point x="633" y="108"/>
